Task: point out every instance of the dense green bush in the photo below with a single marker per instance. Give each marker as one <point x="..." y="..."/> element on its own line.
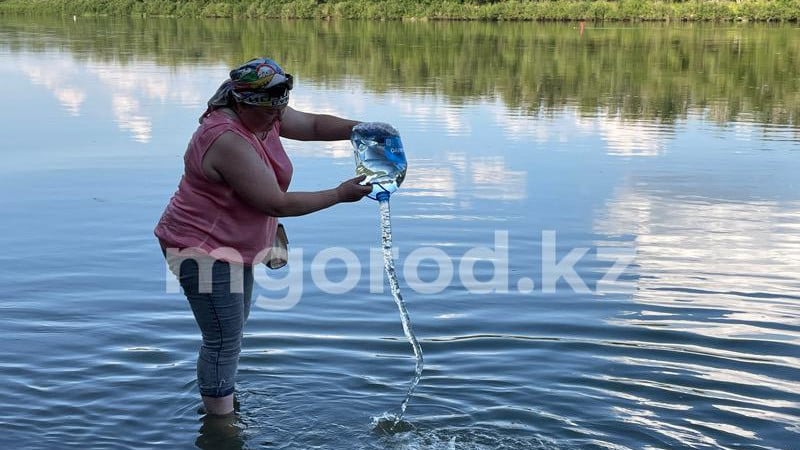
<point x="629" y="10"/>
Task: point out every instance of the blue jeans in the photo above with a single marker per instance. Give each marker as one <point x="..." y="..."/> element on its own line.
<point x="219" y="294"/>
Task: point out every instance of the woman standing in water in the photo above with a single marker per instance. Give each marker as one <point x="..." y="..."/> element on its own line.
<point x="223" y="218"/>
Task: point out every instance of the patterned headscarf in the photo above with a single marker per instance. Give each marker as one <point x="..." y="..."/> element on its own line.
<point x="260" y="82"/>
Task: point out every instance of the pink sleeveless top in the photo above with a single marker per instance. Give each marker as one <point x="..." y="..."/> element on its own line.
<point x="207" y="216"/>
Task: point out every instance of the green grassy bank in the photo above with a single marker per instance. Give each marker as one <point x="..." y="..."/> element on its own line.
<point x="623" y="10"/>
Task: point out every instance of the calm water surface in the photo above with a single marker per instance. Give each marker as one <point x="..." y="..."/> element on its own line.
<point x="598" y="238"/>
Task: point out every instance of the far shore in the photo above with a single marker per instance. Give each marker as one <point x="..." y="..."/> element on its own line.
<point x="484" y="10"/>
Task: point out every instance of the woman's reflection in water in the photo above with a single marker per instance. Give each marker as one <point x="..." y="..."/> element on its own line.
<point x="221" y="432"/>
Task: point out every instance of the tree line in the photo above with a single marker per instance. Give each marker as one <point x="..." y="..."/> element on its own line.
<point x="490" y="10"/>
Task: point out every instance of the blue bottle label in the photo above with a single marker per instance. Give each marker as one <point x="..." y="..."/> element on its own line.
<point x="393" y="150"/>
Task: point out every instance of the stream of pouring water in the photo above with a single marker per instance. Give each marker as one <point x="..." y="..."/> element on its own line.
<point x="388" y="262"/>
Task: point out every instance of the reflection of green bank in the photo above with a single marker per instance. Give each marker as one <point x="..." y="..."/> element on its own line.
<point x="654" y="72"/>
<point x="785" y="10"/>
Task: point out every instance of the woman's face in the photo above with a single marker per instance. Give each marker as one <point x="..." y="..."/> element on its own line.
<point x="259" y="118"/>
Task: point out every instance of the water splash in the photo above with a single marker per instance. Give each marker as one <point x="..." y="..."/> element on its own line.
<point x="388" y="263"/>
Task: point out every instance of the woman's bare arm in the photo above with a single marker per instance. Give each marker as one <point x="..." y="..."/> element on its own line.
<point x="238" y="165"/>
<point x="304" y="126"/>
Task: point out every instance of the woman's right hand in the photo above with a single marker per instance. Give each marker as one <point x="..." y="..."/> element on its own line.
<point x="352" y="191"/>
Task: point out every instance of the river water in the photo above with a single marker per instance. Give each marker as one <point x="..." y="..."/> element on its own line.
<point x="598" y="239"/>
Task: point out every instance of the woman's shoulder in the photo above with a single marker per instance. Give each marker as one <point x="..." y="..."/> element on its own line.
<point x="215" y="123"/>
<point x="218" y="115"/>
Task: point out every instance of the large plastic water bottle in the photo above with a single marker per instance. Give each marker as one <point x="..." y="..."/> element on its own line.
<point x="379" y="155"/>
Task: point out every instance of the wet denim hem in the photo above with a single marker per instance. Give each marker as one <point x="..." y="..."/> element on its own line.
<point x="215" y="393"/>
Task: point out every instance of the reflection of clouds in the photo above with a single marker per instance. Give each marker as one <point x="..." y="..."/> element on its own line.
<point x="520" y="126"/>
<point x="738" y="260"/>
<point x="723" y="271"/>
<point x="492" y="179"/>
<point x="310" y="100"/>
<point x="744" y="131"/>
<point x="184" y="85"/>
<point x="748" y="128"/>
<point x="430" y="180"/>
<point x="769" y="416"/>
<point x="149" y="83"/>
<point x="649" y="420"/>
<point x="56" y="76"/>
<point x="724" y="427"/>
<point x="426" y="112"/>
<point x="458" y="161"/>
<point x="630" y="214"/>
<point x="132" y="88"/>
<point x="440" y="115"/>
<point x="71" y="99"/>
<point x="721" y="375"/>
<point x="627" y="137"/>
<point x="326" y="150"/>
<point x="126" y="111"/>
<point x="485" y="177"/>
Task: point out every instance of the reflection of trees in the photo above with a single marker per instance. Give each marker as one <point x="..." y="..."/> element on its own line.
<point x="651" y="72"/>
